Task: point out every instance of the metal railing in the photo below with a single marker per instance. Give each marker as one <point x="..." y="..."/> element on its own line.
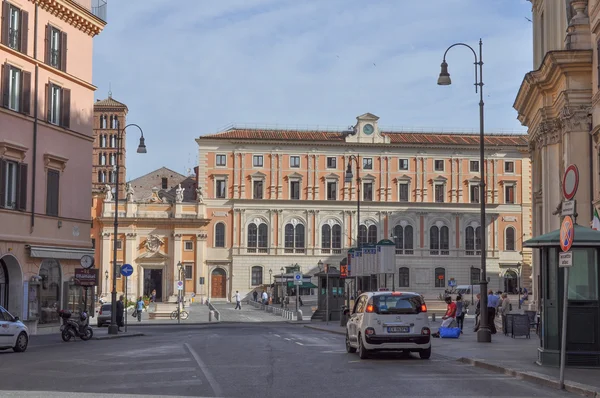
<point x="275" y="310"/>
<point x="212" y="308"/>
<point x="96" y="7"/>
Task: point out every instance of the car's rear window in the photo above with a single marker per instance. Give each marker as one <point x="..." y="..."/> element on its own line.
<point x="402" y="304"/>
<point x="106" y="307"/>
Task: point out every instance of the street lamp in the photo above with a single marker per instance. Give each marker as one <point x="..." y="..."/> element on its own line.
<point x="484" y="334"/>
<point x="348" y="178"/>
<point x="519" y="283"/>
<point x="180" y="268"/>
<point x="282" y="296"/>
<point x="113" y="328"/>
<point x="270" y="276"/>
<point x="105" y="282"/>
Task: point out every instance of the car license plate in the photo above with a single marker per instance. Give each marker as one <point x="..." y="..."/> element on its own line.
<point x="398" y="329"/>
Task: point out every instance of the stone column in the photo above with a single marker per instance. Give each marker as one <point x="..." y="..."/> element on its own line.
<point x="242" y="182"/>
<point x="236" y="185"/>
<point x="201" y="269"/>
<point x="176" y="249"/>
<point x="317" y="182"/>
<point x="309" y="183"/>
<point x="418" y="197"/>
<point x="459" y="184"/>
<point x="279" y="176"/>
<point x="425" y="185"/>
<point x="272" y="175"/>
<point x="131" y="252"/>
<point x="388" y="185"/>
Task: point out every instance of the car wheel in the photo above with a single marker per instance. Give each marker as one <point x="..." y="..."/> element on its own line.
<point x="349" y="348"/>
<point x="362" y="351"/>
<point x="425" y="354"/>
<point x="22" y="342"/>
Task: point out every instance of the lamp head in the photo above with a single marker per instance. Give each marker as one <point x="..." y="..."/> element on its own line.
<point x="142" y="146"/>
<point x="349" y="175"/>
<point x="444" y="79"/>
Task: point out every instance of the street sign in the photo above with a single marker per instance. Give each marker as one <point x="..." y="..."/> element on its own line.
<point x="452" y="282"/>
<point x="86" y="277"/>
<point x="570" y="182"/>
<point x="179" y="285"/>
<point x="343" y="271"/>
<point x="565" y="260"/>
<point x="297" y="278"/>
<point x="126" y="270"/>
<point x="568" y="208"/>
<point x="567" y="233"/>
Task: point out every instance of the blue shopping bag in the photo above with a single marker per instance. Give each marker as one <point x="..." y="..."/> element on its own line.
<point x="449" y="333"/>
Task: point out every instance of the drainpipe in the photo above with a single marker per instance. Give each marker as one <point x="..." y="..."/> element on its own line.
<point x="591" y="128"/>
<point x="35" y="119"/>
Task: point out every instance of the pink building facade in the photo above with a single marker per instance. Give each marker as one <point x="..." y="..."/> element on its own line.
<point x="46" y="138"/>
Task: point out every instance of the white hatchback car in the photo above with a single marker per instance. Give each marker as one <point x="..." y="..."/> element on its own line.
<point x="389" y="321"/>
<point x="13" y="333"/>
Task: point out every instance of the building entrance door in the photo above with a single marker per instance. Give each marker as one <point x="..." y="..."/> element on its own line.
<point x="153" y="280"/>
<point x="510" y="282"/>
<point x="3" y="285"/>
<point x="218" y="280"/>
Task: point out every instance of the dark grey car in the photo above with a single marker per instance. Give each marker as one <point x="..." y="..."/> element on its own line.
<point x="104" y="314"/>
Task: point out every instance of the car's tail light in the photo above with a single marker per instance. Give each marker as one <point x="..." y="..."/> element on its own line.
<point x="100" y="313"/>
<point x="369" y="331"/>
<point x="396" y="293"/>
<point x="425" y="331"/>
<point x="423" y="307"/>
<point x="370" y="308"/>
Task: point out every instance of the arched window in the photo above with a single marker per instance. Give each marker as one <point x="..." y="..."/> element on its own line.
<point x="362" y="235"/>
<point x="473" y="241"/>
<point x="100" y="177"/>
<point x="439" y="241"/>
<point x="325" y="239"/>
<point x="102" y="121"/>
<point x="113" y="141"/>
<point x="372" y="235"/>
<point x="258" y="237"/>
<point x="331" y="238"/>
<point x="220" y="235"/>
<point x="403" y="277"/>
<point x="509" y="242"/>
<point x="403" y="236"/>
<point x="336" y="238"/>
<point x="294" y="238"/>
<point x="257" y="275"/>
<point x="115" y="122"/>
<point x="440" y="277"/>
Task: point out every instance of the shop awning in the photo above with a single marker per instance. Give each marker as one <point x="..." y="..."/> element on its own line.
<point x="306" y="285"/>
<point x="59" y="253"/>
<point x="583" y="237"/>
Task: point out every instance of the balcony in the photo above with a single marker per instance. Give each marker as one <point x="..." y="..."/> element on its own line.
<point x="96" y="7"/>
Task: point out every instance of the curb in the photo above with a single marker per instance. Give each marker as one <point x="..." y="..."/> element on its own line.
<point x="174" y="323"/>
<point x="324" y="330"/>
<point x="534" y="377"/>
<point x="117" y="336"/>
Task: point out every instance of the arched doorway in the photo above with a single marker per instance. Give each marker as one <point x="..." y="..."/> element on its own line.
<point x="511" y="282"/>
<point x="51" y="280"/>
<point x="11" y="285"/>
<point x="218" y="283"/>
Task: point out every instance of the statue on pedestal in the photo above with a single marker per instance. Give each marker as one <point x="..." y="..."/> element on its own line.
<point x="108" y="193"/>
<point x="179" y="194"/>
<point x="129" y="192"/>
<point x="199" y="195"/>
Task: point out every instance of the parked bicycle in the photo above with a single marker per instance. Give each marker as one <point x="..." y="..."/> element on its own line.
<point x="182" y="314"/>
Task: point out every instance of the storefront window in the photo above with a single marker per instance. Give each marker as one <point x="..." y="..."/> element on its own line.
<point x="49" y="291"/>
<point x="583" y="275"/>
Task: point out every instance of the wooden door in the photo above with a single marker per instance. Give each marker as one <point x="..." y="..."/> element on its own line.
<point x="218" y="289"/>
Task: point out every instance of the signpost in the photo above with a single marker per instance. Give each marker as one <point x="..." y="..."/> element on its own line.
<point x="126" y="271"/>
<point x="86" y="278"/>
<point x="570" y="183"/>
<point x="297" y="283"/>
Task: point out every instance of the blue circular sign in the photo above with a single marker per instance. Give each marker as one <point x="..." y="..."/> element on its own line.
<point x="126" y="270"/>
<point x="298" y="277"/>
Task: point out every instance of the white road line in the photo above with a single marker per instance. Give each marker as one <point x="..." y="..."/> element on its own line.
<point x="297" y="342"/>
<point x="285" y="338"/>
<point x="211" y="380"/>
<point x="145" y="371"/>
<point x="276" y="335"/>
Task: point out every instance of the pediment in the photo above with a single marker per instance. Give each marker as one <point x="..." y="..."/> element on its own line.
<point x="474" y="179"/>
<point x="148" y="256"/>
<point x="331" y="176"/>
<point x="367" y="116"/>
<point x="404" y="177"/>
<point x="258" y="174"/>
<point x="295" y="175"/>
<point x="440" y="179"/>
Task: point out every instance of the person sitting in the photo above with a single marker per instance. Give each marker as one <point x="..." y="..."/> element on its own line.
<point x="449" y="319"/>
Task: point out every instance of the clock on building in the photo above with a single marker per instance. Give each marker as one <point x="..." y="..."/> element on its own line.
<point x="368" y="129"/>
<point x="87" y="261"/>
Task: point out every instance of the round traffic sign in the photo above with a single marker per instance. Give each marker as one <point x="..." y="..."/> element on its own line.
<point x="567" y="234"/>
<point x="126" y="270"/>
<point x="298" y="277"/>
<point x="570" y="182"/>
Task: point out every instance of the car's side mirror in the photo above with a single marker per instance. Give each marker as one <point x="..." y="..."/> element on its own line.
<point x="16" y="319"/>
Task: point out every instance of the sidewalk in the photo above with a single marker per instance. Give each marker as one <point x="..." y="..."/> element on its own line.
<point x="515" y="357"/>
<point x="198" y="314"/>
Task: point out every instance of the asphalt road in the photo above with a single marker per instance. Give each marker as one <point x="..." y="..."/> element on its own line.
<point x="243" y="360"/>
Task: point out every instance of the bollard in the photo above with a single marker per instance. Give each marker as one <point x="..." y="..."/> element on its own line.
<point x="299" y="315"/>
<point x="210" y="315"/>
<point x="433" y="317"/>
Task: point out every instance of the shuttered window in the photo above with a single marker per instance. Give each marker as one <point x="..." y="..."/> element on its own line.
<point x="52" y="192"/>
<point x="58" y="105"/>
<point x="13" y="185"/>
<point x="16" y="89"/>
<point x="56" y="48"/>
<point x="14" y="27"/>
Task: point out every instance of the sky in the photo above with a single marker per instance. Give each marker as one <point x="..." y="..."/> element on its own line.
<point x="193" y="67"/>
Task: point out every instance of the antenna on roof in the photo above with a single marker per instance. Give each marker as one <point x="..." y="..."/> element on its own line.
<point x="109" y="90"/>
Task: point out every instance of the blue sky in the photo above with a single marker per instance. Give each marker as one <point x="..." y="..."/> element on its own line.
<point x="190" y="67"/>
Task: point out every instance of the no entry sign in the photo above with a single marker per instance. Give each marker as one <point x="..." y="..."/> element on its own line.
<point x="570" y="182"/>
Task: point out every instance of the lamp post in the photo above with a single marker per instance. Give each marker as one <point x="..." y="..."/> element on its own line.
<point x="113" y="328"/>
<point x="282" y="296"/>
<point x="471" y="277"/>
<point x="270" y="278"/>
<point x="105" y="282"/>
<point x="348" y="178"/>
<point x="484" y="334"/>
<point x="519" y="283"/>
<point x="180" y="271"/>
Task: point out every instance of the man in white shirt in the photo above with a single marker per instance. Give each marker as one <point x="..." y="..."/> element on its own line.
<point x="238" y="301"/>
<point x="265" y="297"/>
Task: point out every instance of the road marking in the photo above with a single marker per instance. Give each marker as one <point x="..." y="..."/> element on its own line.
<point x="276" y="335"/>
<point x="167" y="383"/>
<point x="285" y="338"/>
<point x="211" y="380"/>
<point x="145" y="371"/>
<point x="297" y="342"/>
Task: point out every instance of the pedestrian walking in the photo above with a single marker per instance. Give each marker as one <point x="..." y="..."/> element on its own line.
<point x="255" y="295"/>
<point x="460" y="312"/>
<point x="493" y="302"/>
<point x="300" y="301"/>
<point x="505" y="308"/>
<point x="120" y="312"/>
<point x="153" y="296"/>
<point x="139" y="308"/>
<point x="238" y="300"/>
<point x="525" y="296"/>
<point x="265" y="297"/>
<point x="477" y="312"/>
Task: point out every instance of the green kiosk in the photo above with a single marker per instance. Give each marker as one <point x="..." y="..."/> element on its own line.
<point x="583" y="307"/>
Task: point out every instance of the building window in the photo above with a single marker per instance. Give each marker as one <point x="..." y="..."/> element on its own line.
<point x="220" y="235"/>
<point x="509" y="240"/>
<point x="294" y="238"/>
<point x="56" y="48"/>
<point x="257" y="189"/>
<point x="403" y="237"/>
<point x="220" y="189"/>
<point x="295" y="161"/>
<point x="475" y="276"/>
<point x="189" y="272"/>
<point x="403" y="277"/>
<point x="474" y="193"/>
<point x="331" y="190"/>
<point x="257" y="161"/>
<point x="439" y="241"/>
<point x="509" y="167"/>
<point x="13" y="185"/>
<point x="17" y="93"/>
<point x="474" y="166"/>
<point x="14" y="28"/>
<point x="367" y="235"/>
<point x="331" y="162"/>
<point x="403" y="193"/>
<point x="119" y="244"/>
<point x="59" y="105"/>
<point x="113" y="141"/>
<point x="164" y="183"/>
<point x="473" y="241"/>
<point x="295" y="190"/>
<point x="403" y="164"/>
<point x="101" y="176"/>
<point x="52" y="190"/>
<point x="103" y="122"/>
<point x="367" y="163"/>
<point x="331" y="239"/>
<point x="221" y="160"/>
<point x="439" y="193"/>
<point x="440" y="277"/>
<point x="257" y="238"/>
<point x="257" y="276"/>
<point x="368" y="191"/>
<point x="438" y="165"/>
<point x="509" y="194"/>
<point x="188" y="245"/>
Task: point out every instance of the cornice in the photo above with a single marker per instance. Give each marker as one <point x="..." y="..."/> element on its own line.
<point x="74" y="14"/>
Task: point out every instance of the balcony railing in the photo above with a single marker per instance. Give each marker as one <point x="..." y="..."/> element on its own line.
<point x="96" y="7"/>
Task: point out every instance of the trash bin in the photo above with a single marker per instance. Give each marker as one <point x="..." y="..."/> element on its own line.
<point x="344" y="315"/>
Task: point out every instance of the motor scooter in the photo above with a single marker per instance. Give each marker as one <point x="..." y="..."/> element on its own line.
<point x="72" y="328"/>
